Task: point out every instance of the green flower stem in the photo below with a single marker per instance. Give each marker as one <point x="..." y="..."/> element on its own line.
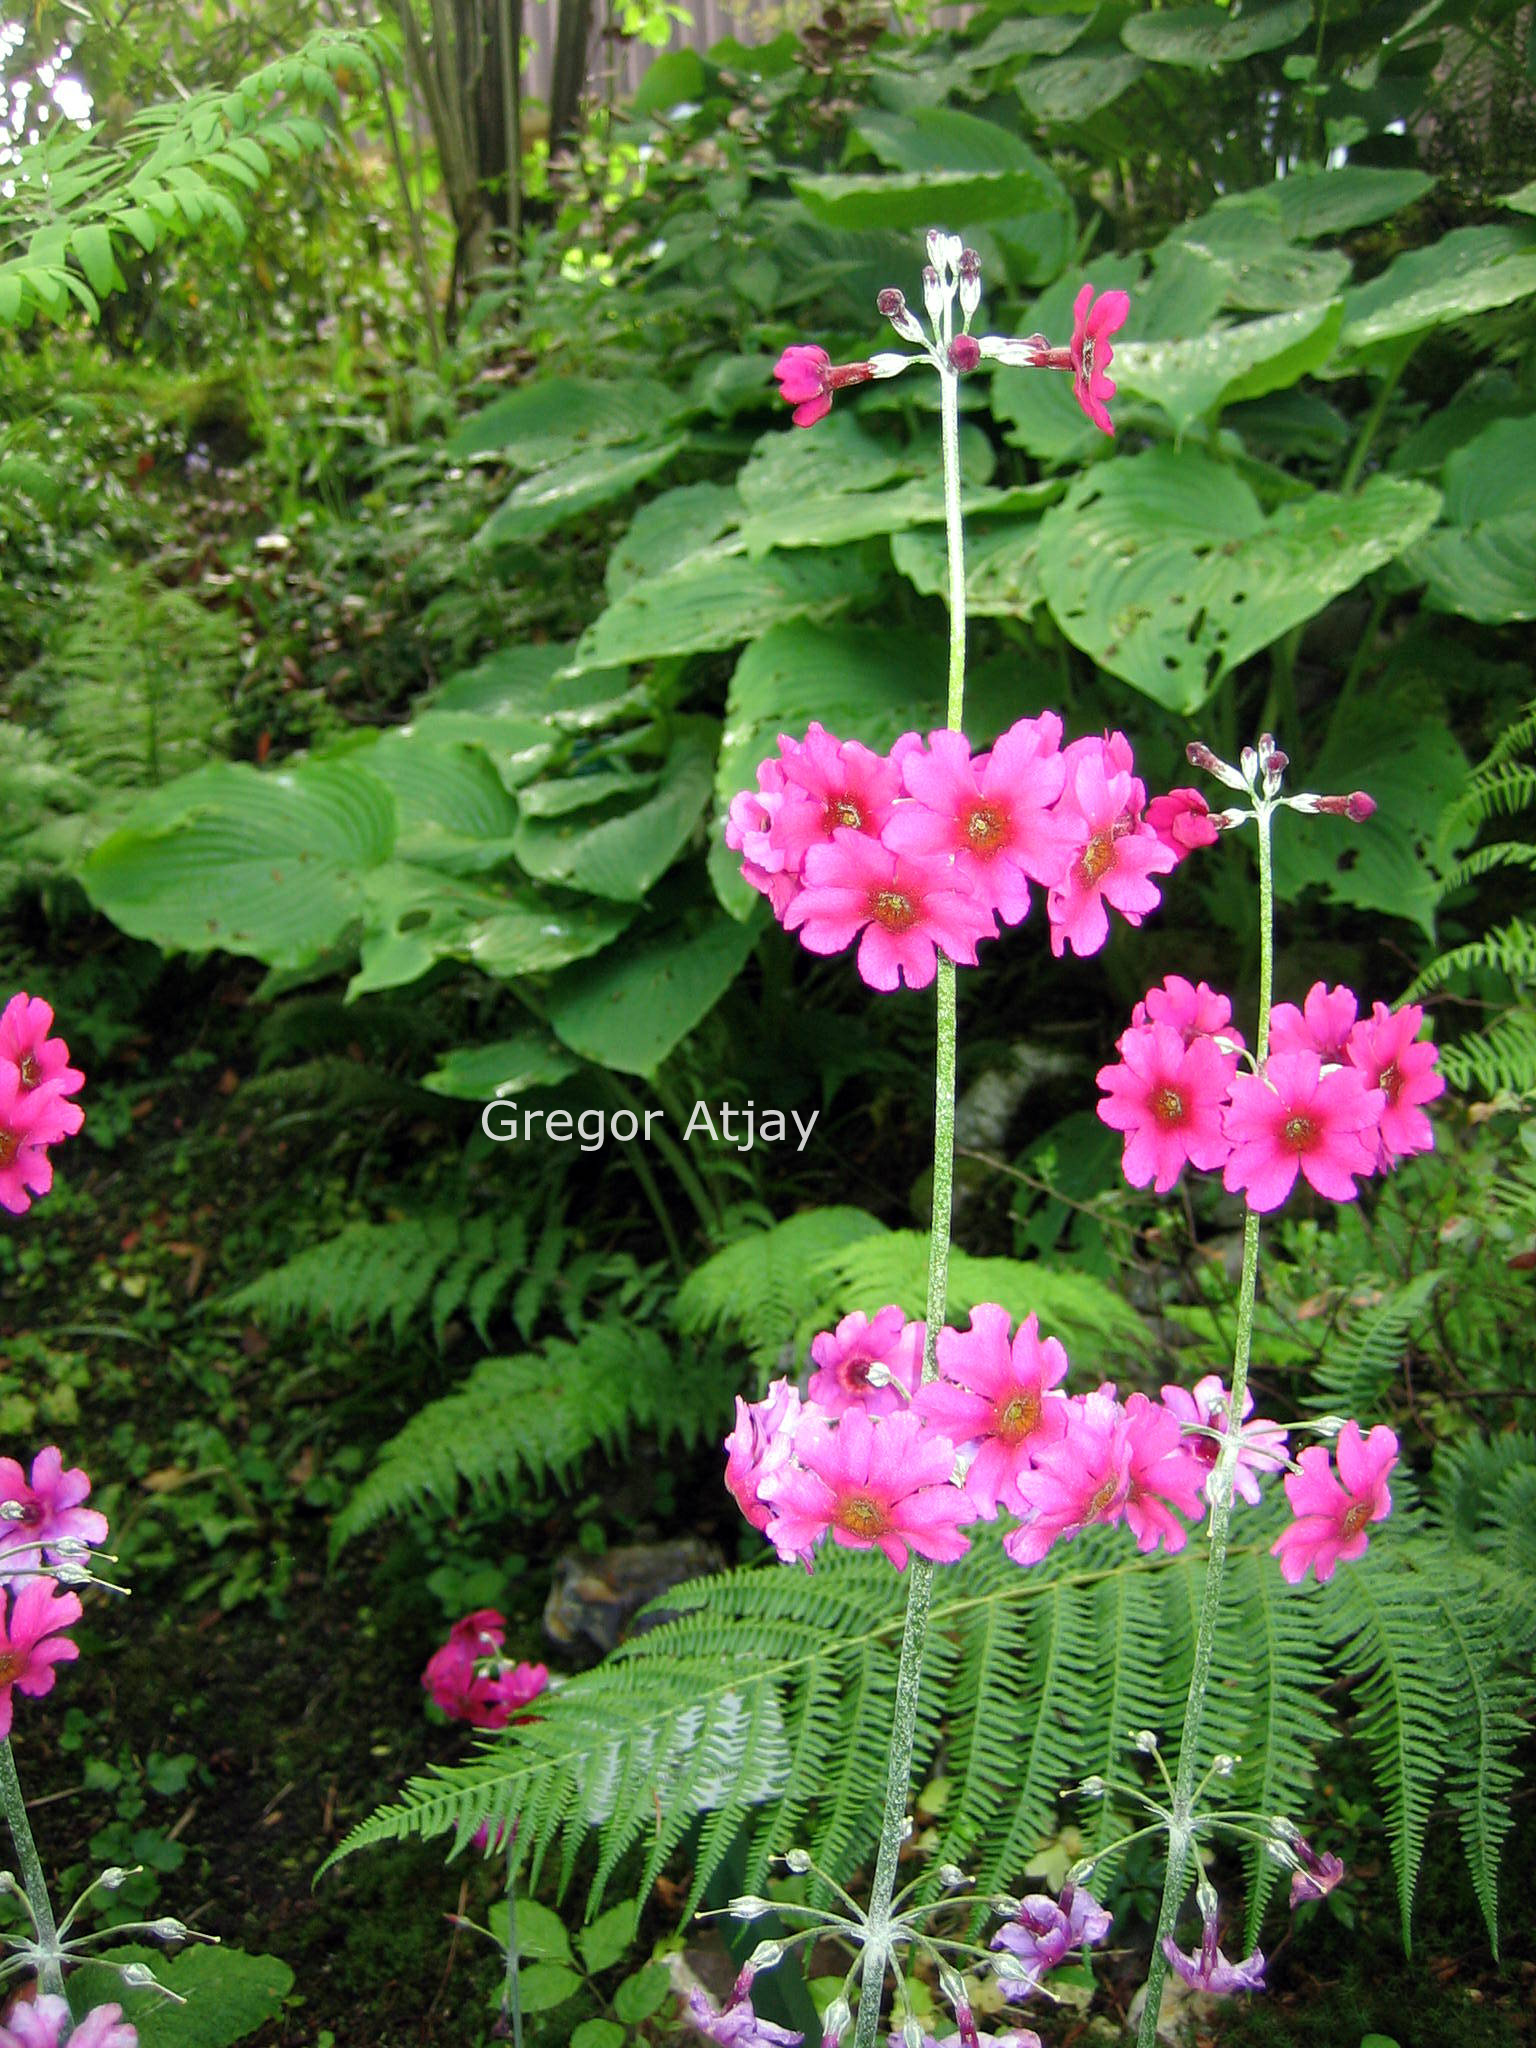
<point x="511" y="1996"/>
<point x="920" y="1572"/>
<point x="50" y="1976"/>
<point x="1180" y="1836"/>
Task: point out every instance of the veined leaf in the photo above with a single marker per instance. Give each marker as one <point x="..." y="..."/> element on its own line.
<point x="1200" y="38"/>
<point x="631" y="1008"/>
<point x="620" y="856"/>
<point x="1193" y="379"/>
<point x="545" y="500"/>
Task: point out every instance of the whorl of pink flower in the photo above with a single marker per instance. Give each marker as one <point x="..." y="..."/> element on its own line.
<point x="1045" y="1930"/>
<point x="1093" y="322"/>
<point x="1207" y="1406"/>
<point x="1388" y="1053"/>
<point x="471" y="1680"/>
<point x="843" y="1358"/>
<point x="905" y="906"/>
<point x="830" y="786"/>
<point x="1165" y="1479"/>
<point x="1082" y="1478"/>
<point x="1194" y="1009"/>
<point x="1182" y="821"/>
<point x="991" y="815"/>
<point x="45" y="2021"/>
<point x="748" y="825"/>
<point x="1112" y="861"/>
<point x="1207" y="1968"/>
<point x="738" y="2026"/>
<point x="41" y="1061"/>
<point x="31" y="1119"/>
<point x="869" y="1482"/>
<point x="995" y="1395"/>
<point x="31" y="1643"/>
<point x="51" y="1512"/>
<point x="1332" y="1518"/>
<point x="808" y="377"/>
<point x="1167" y="1097"/>
<point x="762" y="1440"/>
<point x="1322" y="1025"/>
<point x="1294" y="1116"/>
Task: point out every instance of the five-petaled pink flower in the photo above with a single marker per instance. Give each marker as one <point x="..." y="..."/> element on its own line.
<point x="869" y="1482"/>
<point x="1322" y="1025"/>
<point x="843" y="1357"/>
<point x="748" y="831"/>
<point x="1182" y="820"/>
<point x="1168" y="1098"/>
<point x="472" y="1681"/>
<point x="31" y="1119"/>
<point x="1082" y="1478"/>
<point x="1332" y="1518"/>
<point x="829" y="786"/>
<point x="44" y="2022"/>
<point x="762" y="1440"/>
<point x="1194" y="1009"/>
<point x="1389" y="1054"/>
<point x="995" y="1395"/>
<point x="905" y="906"/>
<point x="1295" y="1115"/>
<point x="1113" y="858"/>
<point x="1093" y="322"/>
<point x="51" y="1512"/>
<point x="1165" y="1478"/>
<point x="40" y="1061"/>
<point x="31" y="1643"/>
<point x="1207" y="1406"/>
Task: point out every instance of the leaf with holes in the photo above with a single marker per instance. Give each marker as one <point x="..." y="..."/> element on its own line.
<point x="1164" y="569"/>
<point x="1481" y="563"/>
<point x="1191" y="380"/>
<point x="416" y="917"/>
<point x="1001" y="581"/>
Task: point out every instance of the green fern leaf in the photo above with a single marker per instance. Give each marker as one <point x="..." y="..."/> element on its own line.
<point x="757" y="1286"/>
<point x="1363" y="1358"/>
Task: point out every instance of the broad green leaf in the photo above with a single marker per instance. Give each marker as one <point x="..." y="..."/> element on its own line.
<point x="838" y="454"/>
<point x="543" y="1986"/>
<point x="946" y="141"/>
<point x="1486" y="399"/>
<point x="1309" y="202"/>
<point x="268" y="864"/>
<point x="549" y="419"/>
<point x="1164" y="569"/>
<point x="631" y="1008"/>
<point x="621" y="856"/>
<point x="598" y="783"/>
<point x="416" y="917"/>
<point x="858" y="515"/>
<point x="1470" y="270"/>
<point x="1481" y="563"/>
<point x="541" y="1935"/>
<point x="479" y="1073"/>
<point x="914" y="199"/>
<point x="92" y="244"/>
<point x="643" y="1994"/>
<point x="1261" y="269"/>
<point x="708" y="602"/>
<point x="454" y="810"/>
<point x="1071" y="88"/>
<point x="545" y="500"/>
<point x="671" y="529"/>
<point x="669" y="80"/>
<point x="598" y="2034"/>
<point x="1200" y="37"/>
<point x="521" y="685"/>
<point x="609" y="1935"/>
<point x="1190" y="380"/>
<point x="1025" y="37"/>
<point x="1522" y="201"/>
<point x="1001" y="579"/>
<point x="1492" y="475"/>
<point x="228" y="1994"/>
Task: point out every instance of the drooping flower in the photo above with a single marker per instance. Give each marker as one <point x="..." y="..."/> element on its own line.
<point x="1182" y="821"/>
<point x="1295" y="1116"/>
<point x="471" y="1680"/>
<point x="1207" y="1406"/>
<point x="1207" y="1969"/>
<point x="1389" y="1054"/>
<point x="45" y="2021"/>
<point x="995" y="1394"/>
<point x="1165" y="1479"/>
<point x="1113" y="858"/>
<point x="762" y="1440"/>
<point x="1322" y="1025"/>
<point x="906" y="907"/>
<point x="40" y="1061"/>
<point x="843" y="1358"/>
<point x="1014" y="2037"/>
<point x="1093" y="322"/>
<point x="1082" y="1478"/>
<point x="1316" y="1874"/>
<point x="31" y="1642"/>
<point x="1333" y="1515"/>
<point x="51" y="1512"/>
<point x="830" y="785"/>
<point x="990" y="814"/>
<point x="737" y="2026"/>
<point x="1168" y="1099"/>
<point x="1194" y="1009"/>
<point x="808" y="377"/>
<point x="879" y="1482"/>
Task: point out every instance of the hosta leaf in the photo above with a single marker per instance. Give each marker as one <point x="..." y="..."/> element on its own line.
<point x="1470" y="270"/>
<point x="631" y="1008"/>
<point x="453" y="808"/>
<point x="913" y="199"/>
<point x="1191" y="379"/>
<point x="621" y="856"/>
<point x="416" y="917"/>
<point x="1164" y="569"/>
<point x="1261" y="269"/>
<point x="544" y="501"/>
<point x="1001" y="577"/>
<point x="550" y="419"/>
<point x="478" y="1073"/>
<point x="528" y="687"/>
<point x="1200" y="37"/>
<point x="1072" y="88"/>
<point x="1482" y="561"/>
<point x="666" y="532"/>
<point x="1310" y="202"/>
<point x="839" y="455"/>
<point x="946" y="141"/>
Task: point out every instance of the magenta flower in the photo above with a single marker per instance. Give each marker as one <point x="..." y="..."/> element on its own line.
<point x="1208" y="1969"/>
<point x="1208" y="1406"/>
<point x="1317" y="1875"/>
<point x="905" y="906"/>
<point x="991" y="815"/>
<point x="738" y="2026"/>
<point x="1294" y="1116"/>
<point x="1168" y="1098"/>
<point x="1113" y="860"/>
<point x="31" y="1643"/>
<point x="808" y="377"/>
<point x="31" y="1119"/>
<point x="1322" y="1025"/>
<point x="1182" y="821"/>
<point x="996" y="1395"/>
<point x="471" y="1680"/>
<point x="1082" y="1478"/>
<point x="830" y="786"/>
<point x="45" y="2021"/>
<point x="1165" y="1479"/>
<point x="843" y="1358"/>
<point x="878" y="1482"/>
<point x="1332" y="1517"/>
<point x="1194" y="1009"/>
<point x="51" y="1512"/>
<point x="748" y="831"/>
<point x="762" y="1440"/>
<point x="40" y="1061"/>
<point x="1044" y="1930"/>
<point x="1015" y="2037"/>
<point x="1390" y="1055"/>
<point x="1093" y="322"/>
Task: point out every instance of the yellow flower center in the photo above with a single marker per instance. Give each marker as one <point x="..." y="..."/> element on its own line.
<point x="1168" y="1106"/>
<point x="898" y="913"/>
<point x="1018" y="1418"/>
<point x="29" y="1071"/>
<point x="861" y="1516"/>
<point x="1096" y="859"/>
<point x="1299" y="1132"/>
<point x="842" y="810"/>
<point x="984" y="829"/>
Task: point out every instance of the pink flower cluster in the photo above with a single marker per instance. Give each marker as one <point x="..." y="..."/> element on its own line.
<point x="36" y="1082"/>
<point x="1337" y="1099"/>
<point x="45" y="2022"/>
<point x="45" y="1534"/>
<point x="472" y="1681"/>
<point x="922" y="850"/>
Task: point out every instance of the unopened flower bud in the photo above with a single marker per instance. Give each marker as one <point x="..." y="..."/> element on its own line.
<point x="138" y="1977"/>
<point x="765" y="1956"/>
<point x="1144" y="1740"/>
<point x="1200" y="756"/>
<point x="113" y="1877"/>
<point x="893" y="305"/>
<point x="964" y="353"/>
<point x="1092" y="1788"/>
<point x="747" y="1907"/>
<point x="906" y="1829"/>
<point x="1224" y="1765"/>
<point x="890" y="302"/>
<point x="798" y="1861"/>
<point x="1357" y="806"/>
<point x="166" y="1930"/>
<point x="912" y="2032"/>
<point x="835" y="2022"/>
<point x="934" y="295"/>
<point x="11" y="1511"/>
<point x="970" y="283"/>
<point x="952" y="1877"/>
<point x="1248" y="762"/>
<point x="938" y="249"/>
<point x="890" y="364"/>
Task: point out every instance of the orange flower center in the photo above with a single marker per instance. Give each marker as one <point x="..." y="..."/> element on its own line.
<point x="1018" y="1418"/>
<point x="1096" y="859"/>
<point x="1103" y="1499"/>
<point x="10" y="1145"/>
<point x="898" y="913"/>
<point x="28" y="1069"/>
<point x="842" y="810"/>
<point x="12" y="1664"/>
<point x="1391" y="1081"/>
<point x="1299" y="1132"/>
<point x="984" y="829"/>
<point x="1168" y="1106"/>
<point x="1357" y="1518"/>
<point x="861" y="1516"/>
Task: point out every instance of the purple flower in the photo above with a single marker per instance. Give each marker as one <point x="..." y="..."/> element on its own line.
<point x="738" y="2026"/>
<point x="1208" y="1969"/>
<point x="1318" y="1874"/>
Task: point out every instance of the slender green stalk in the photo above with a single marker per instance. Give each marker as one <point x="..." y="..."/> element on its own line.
<point x="511" y="1996"/>
<point x="1180" y="1839"/>
<point x="50" y="1976"/>
<point x="920" y="1571"/>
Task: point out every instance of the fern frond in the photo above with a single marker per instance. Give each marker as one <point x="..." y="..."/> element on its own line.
<point x="1503" y="853"/>
<point x="1507" y="949"/>
<point x="1499" y="1059"/>
<point x="365" y="1274"/>
<point x="1364" y="1356"/>
<point x="1488" y="1696"/>
<point x="757" y="1286"/>
<point x="1500" y="788"/>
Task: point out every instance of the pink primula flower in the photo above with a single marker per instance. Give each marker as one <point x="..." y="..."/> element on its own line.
<point x="906" y="907"/>
<point x="1318" y="1873"/>
<point x="1168" y="1098"/>
<point x="1084" y="1477"/>
<point x="1194" y="1009"/>
<point x="1113" y="859"/>
<point x="808" y="377"/>
<point x="1093" y="322"/>
<point x="31" y="1119"/>
<point x="51" y="1512"/>
<point x="1182" y="821"/>
<point x="31" y="1643"/>
<point x="869" y="1481"/>
<point x="1207" y="1406"/>
<point x="40" y="1061"/>
<point x="991" y="815"/>
<point x="1165" y="1478"/>
<point x="1322" y="1024"/>
<point x="44" y="2022"/>
<point x="843" y="1358"/>
<point x="471" y="1680"/>
<point x="748" y="831"/>
<point x="1294" y="1116"/>
<point x="1389" y="1054"/>
<point x="995" y="1394"/>
<point x="1332" y="1518"/>
<point x="830" y="786"/>
<point x="762" y="1440"/>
